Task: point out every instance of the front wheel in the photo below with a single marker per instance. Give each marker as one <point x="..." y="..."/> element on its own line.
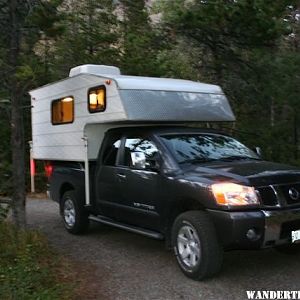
<point x="196" y="246"/>
<point x="74" y="216"/>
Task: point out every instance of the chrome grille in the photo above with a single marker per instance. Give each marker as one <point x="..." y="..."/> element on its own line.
<point x="280" y="194"/>
<point x="268" y="196"/>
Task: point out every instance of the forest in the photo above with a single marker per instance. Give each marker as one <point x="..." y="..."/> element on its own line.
<point x="250" y="48"/>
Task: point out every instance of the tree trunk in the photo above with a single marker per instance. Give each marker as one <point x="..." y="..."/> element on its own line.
<point x="17" y="138"/>
<point x="272" y="113"/>
<point x="296" y="134"/>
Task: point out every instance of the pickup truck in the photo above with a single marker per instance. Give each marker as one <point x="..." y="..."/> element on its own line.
<point x="200" y="190"/>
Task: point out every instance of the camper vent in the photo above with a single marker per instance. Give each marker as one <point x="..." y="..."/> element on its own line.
<point x="94" y="70"/>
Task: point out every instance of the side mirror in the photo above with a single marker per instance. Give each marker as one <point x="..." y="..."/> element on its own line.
<point x="258" y="151"/>
<point x="138" y="160"/>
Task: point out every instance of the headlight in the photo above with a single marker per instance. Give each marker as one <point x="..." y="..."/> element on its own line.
<point x="232" y="194"/>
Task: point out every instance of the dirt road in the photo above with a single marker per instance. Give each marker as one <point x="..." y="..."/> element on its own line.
<point x="130" y="266"/>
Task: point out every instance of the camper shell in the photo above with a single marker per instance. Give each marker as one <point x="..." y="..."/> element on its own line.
<point x="128" y="100"/>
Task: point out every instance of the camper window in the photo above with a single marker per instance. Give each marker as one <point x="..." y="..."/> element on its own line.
<point x="97" y="99"/>
<point x="63" y="111"/>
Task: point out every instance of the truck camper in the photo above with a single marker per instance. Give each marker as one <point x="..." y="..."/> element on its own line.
<point x="121" y="150"/>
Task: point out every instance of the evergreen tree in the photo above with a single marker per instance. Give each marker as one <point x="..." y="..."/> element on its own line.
<point x="90" y="37"/>
<point x="141" y="42"/>
<point x="240" y="47"/>
<point x="19" y="66"/>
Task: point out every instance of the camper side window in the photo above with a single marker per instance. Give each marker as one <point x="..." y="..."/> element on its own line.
<point x="97" y="99"/>
<point x="62" y="111"/>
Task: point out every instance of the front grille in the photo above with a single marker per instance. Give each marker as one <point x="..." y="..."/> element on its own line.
<point x="268" y="196"/>
<point x="289" y="189"/>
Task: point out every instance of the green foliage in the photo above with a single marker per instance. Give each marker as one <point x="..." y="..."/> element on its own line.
<point x="4" y="209"/>
<point x="28" y="269"/>
<point x="141" y="43"/>
<point x="245" y="47"/>
<point x="90" y="36"/>
<point x="179" y="61"/>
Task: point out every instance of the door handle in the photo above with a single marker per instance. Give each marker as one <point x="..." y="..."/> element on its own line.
<point x="121" y="176"/>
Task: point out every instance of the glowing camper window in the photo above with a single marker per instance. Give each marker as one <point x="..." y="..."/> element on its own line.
<point x="63" y="111"/>
<point x="97" y="99"/>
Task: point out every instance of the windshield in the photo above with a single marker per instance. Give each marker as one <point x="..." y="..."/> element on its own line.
<point x="189" y="148"/>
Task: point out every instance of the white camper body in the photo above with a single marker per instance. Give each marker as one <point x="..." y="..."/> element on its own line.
<point x="129" y="100"/>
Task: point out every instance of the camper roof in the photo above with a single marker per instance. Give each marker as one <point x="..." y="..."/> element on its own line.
<point x="125" y="82"/>
<point x="164" y="84"/>
<point x="144" y="83"/>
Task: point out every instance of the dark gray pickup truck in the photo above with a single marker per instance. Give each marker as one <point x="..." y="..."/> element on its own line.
<point x="201" y="191"/>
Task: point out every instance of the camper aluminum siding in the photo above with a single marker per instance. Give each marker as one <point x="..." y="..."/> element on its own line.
<point x="64" y="142"/>
<point x="130" y="100"/>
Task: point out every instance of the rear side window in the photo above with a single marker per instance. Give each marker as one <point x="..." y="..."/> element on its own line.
<point x="62" y="111"/>
<point x="111" y="151"/>
<point x="97" y="99"/>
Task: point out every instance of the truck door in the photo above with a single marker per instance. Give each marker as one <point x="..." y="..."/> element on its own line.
<point x="139" y="188"/>
<point x="106" y="180"/>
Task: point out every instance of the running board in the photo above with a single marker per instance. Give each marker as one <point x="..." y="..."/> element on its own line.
<point x="142" y="231"/>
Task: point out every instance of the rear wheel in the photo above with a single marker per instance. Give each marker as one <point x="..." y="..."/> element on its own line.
<point x="196" y="246"/>
<point x="74" y="216"/>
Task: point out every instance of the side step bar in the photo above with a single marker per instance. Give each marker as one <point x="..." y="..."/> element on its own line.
<point x="134" y="229"/>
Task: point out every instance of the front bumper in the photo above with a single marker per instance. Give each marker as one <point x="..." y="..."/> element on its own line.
<point x="271" y="227"/>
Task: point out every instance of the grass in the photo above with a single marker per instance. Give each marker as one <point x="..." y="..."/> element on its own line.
<point x="28" y="267"/>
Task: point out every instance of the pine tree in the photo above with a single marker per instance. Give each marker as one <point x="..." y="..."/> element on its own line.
<point x="20" y="30"/>
<point x="91" y="35"/>
<point x="240" y="46"/>
<point x="141" y="42"/>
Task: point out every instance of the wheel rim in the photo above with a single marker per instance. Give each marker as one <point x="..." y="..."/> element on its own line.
<point x="188" y="245"/>
<point x="69" y="213"/>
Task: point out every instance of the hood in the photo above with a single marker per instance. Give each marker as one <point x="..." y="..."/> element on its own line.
<point x="257" y="173"/>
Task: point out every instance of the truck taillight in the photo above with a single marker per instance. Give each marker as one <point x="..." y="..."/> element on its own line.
<point x="32" y="167"/>
<point x="48" y="169"/>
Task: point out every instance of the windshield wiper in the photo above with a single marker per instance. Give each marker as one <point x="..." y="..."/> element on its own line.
<point x="238" y="157"/>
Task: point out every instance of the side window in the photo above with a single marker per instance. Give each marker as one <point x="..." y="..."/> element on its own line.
<point x="97" y="99"/>
<point x="62" y="111"/>
<point x="139" y="145"/>
<point x="111" y="151"/>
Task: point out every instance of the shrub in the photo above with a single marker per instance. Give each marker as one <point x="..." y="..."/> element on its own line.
<point x="28" y="268"/>
<point x="3" y="212"/>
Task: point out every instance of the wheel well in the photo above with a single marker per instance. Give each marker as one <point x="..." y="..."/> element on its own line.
<point x="178" y="208"/>
<point x="64" y="188"/>
<point x="184" y="206"/>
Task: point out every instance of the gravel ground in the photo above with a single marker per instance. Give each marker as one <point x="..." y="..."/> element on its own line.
<point x="134" y="267"/>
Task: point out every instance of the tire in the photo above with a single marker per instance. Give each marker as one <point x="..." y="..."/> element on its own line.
<point x="196" y="246"/>
<point x="292" y="249"/>
<point x="74" y="216"/>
